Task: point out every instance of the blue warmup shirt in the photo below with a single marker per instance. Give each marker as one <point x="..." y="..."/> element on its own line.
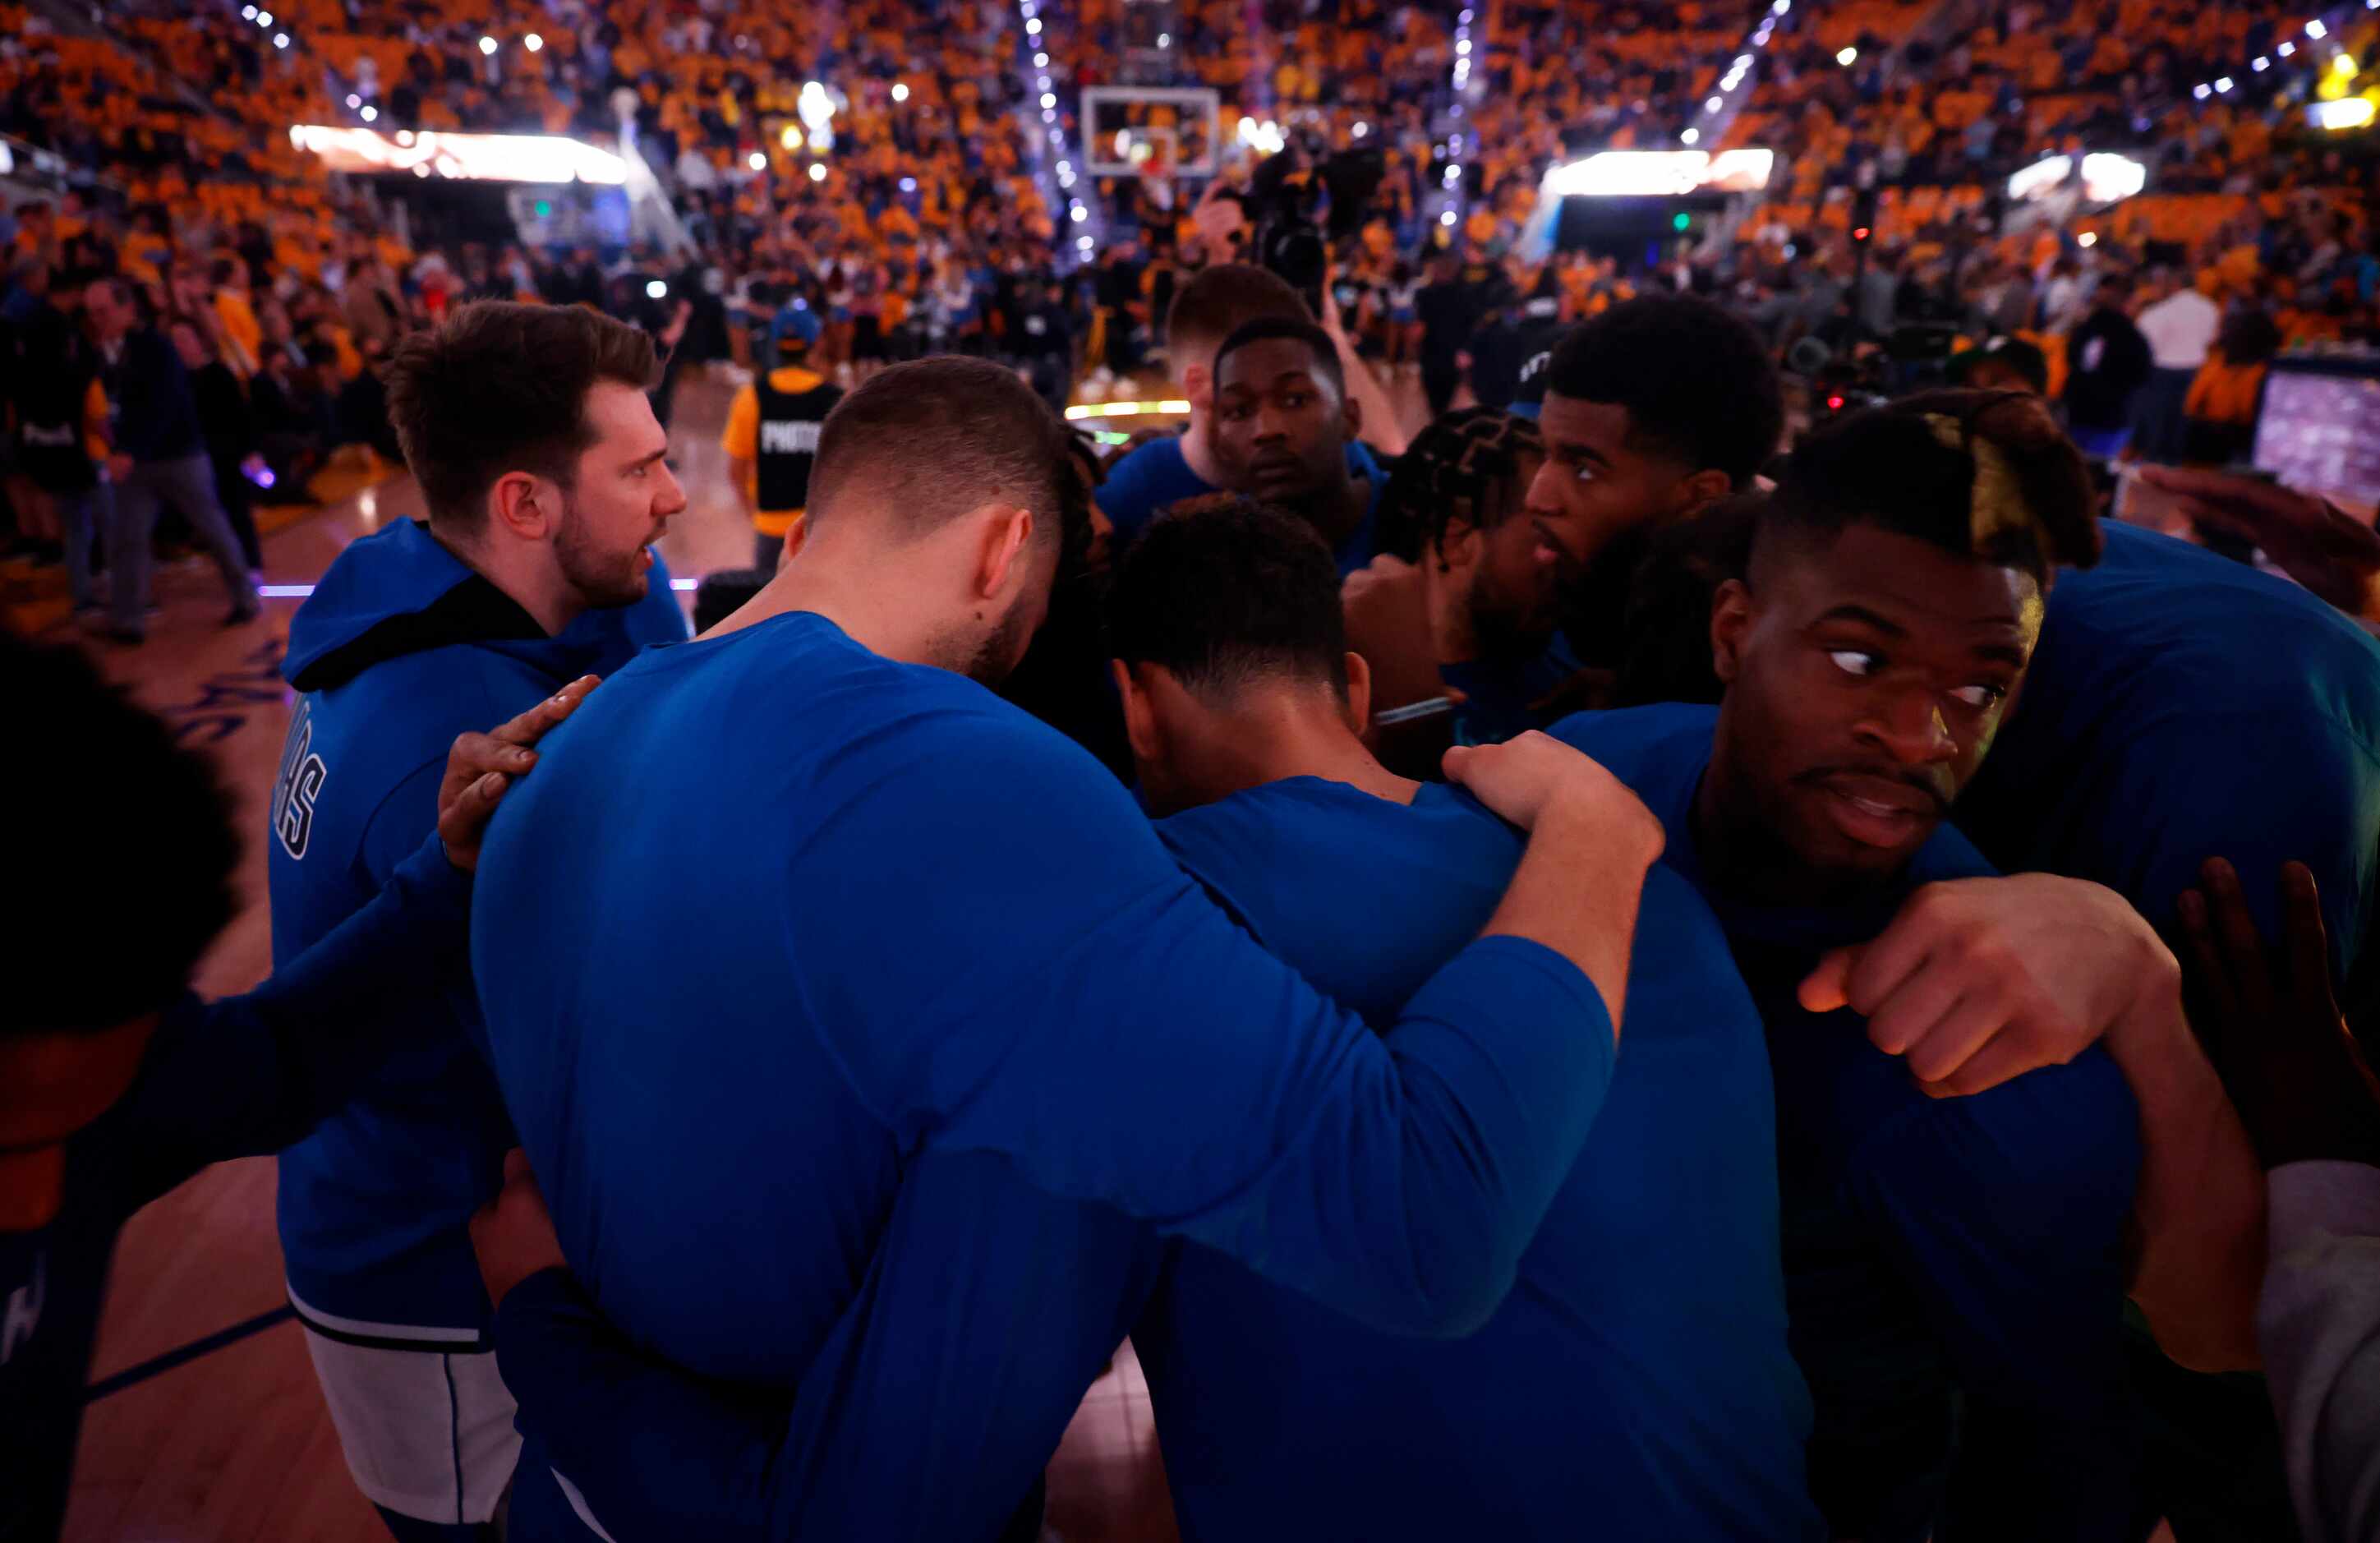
<point x="1638" y="1377"/>
<point x="906" y="921"/>
<point x="1932" y="1246"/>
<point x="400" y="649"/>
<point x="1143" y="484"/>
<point x="2181" y="706"/>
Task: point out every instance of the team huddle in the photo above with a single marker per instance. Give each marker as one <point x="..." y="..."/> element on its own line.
<point x="1742" y="1089"/>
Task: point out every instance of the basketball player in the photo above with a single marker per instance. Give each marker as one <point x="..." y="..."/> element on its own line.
<point x="921" y="917"/>
<point x="1211" y="306"/>
<point x="772" y="428"/>
<point x="116" y="1082"/>
<point x="1285" y="431"/>
<point x="1978" y="1243"/>
<point x="537" y="454"/>
<point x="1638" y="1375"/>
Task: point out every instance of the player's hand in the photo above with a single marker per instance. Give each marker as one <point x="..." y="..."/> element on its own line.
<point x="2312" y="539"/>
<point x="1979" y="981"/>
<point x="2300" y="1084"/>
<point x="1534" y="777"/>
<point x="513" y="1234"/>
<point x="481" y="766"/>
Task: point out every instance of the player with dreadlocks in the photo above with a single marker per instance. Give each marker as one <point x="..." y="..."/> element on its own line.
<point x="1968" y="1253"/>
<point x="1465" y="607"/>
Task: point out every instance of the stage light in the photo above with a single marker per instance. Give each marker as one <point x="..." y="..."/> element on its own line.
<point x="2286" y="49"/>
<point x="264" y="19"/>
<point x="1077" y="214"/>
<point x="1040" y="61"/>
<point x="353" y="102"/>
<point x="2223" y="83"/>
<point x="790" y="137"/>
<point x="247" y="13"/>
<point x="1681" y="221"/>
<point x="487" y="45"/>
<point x="2202" y="91"/>
<point x="2315" y="29"/>
<point x="1164" y="40"/>
<point x="279" y="39"/>
<point x="900" y="92"/>
<point x="1447" y="218"/>
<point x="532" y="42"/>
<point x="2348" y="112"/>
<point x="2260" y="64"/>
<point x="2343" y="64"/>
<point x="1690" y="136"/>
<point x="1848" y="58"/>
<point x="908" y="184"/>
<point x="1033" y="29"/>
<point x="2088" y="239"/>
<point x="655" y="290"/>
<point x="1861" y="234"/>
<point x="759" y="161"/>
<point x="370" y="115"/>
<point x="817" y="171"/>
<point x="1714" y="104"/>
<point x="1049" y="99"/>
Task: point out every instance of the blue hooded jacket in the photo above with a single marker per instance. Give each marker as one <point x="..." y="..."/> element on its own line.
<point x="401" y="648"/>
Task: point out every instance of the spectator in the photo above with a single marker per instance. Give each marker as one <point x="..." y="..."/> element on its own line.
<point x="2110" y="362"/>
<point x="157" y="455"/>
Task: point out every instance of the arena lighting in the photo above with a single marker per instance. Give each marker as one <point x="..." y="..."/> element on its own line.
<point x="2286" y="49"/>
<point x="279" y="39"/>
<point x="2343" y="64"/>
<point x="293" y="591"/>
<point x="818" y="171"/>
<point x="2041" y="176"/>
<point x="1661" y="172"/>
<point x="1040" y="61"/>
<point x="1447" y="218"/>
<point x="2260" y="64"/>
<point x="2202" y="93"/>
<point x="478" y="157"/>
<point x="2088" y="239"/>
<point x="908" y="184"/>
<point x="1714" y="104"/>
<point x="487" y="45"/>
<point x="1126" y="409"/>
<point x="264" y="19"/>
<point x="686" y="584"/>
<point x="1690" y="136"/>
<point x="1049" y="99"/>
<point x="1078" y="213"/>
<point x="1848" y="58"/>
<point x="370" y="114"/>
<point x="2348" y="112"/>
<point x="2223" y="84"/>
<point x="814" y="106"/>
<point x="532" y="42"/>
<point x="790" y="137"/>
<point x="1033" y="27"/>
<point x="655" y="290"/>
<point x="2109" y="178"/>
<point x="247" y="13"/>
<point x="900" y="92"/>
<point x="353" y="102"/>
<point x="2315" y="29"/>
<point x="759" y="161"/>
<point x="1361" y="129"/>
<point x="1164" y="40"/>
<point x="405" y="137"/>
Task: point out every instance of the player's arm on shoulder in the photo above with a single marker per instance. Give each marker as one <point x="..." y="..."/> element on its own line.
<point x="1022" y="968"/>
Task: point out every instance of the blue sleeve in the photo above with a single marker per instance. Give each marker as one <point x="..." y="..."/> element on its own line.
<point x="249" y="1075"/>
<point x="2007" y="1212"/>
<point x="408" y="813"/>
<point x="2227" y="806"/>
<point x="987" y="1308"/>
<point x="1060" y="992"/>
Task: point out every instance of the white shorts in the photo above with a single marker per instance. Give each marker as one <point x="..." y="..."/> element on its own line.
<point x="428" y="1433"/>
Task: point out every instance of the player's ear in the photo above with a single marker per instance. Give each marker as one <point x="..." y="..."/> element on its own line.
<point x="1701" y="491"/>
<point x="1730" y="621"/>
<point x="1359" y="692"/>
<point x="520" y="503"/>
<point x="1139" y="721"/>
<point x="1198" y="387"/>
<point x="1007" y="541"/>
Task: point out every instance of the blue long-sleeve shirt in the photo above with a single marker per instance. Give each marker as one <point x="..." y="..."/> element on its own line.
<point x="1639" y="1372"/>
<point x="2179" y="707"/>
<point x="1932" y="1246"/>
<point x="924" y="924"/>
<point x="226" y="1079"/>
